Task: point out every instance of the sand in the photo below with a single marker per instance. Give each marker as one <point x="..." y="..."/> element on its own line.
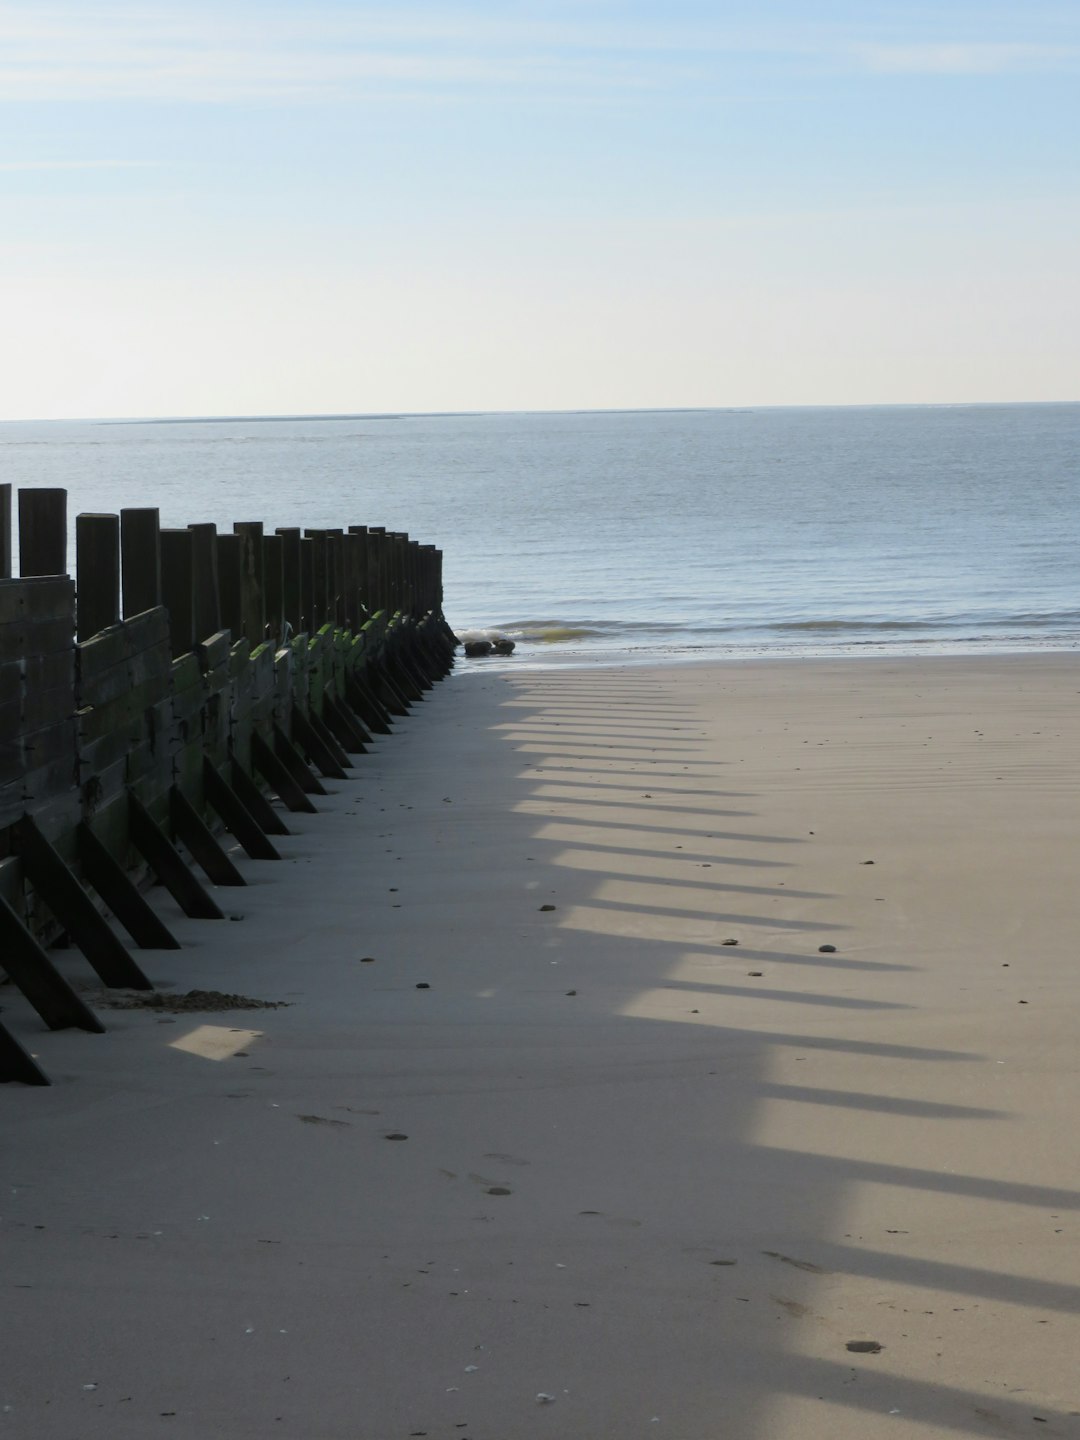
<point x="604" y="1156"/>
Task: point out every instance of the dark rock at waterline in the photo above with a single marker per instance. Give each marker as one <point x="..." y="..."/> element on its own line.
<point x="503" y="647"/>
<point x="826" y="949"/>
<point x="475" y="648"/>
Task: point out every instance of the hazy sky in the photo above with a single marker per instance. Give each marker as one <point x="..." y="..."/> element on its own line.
<point x="321" y="205"/>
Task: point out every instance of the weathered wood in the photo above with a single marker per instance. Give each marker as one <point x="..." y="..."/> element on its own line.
<point x="97" y="564"/>
<point x="252" y="585"/>
<point x="308" y="620"/>
<point x="295" y="763"/>
<point x="290" y="584"/>
<point x="6" y="534"/>
<point x="256" y="802"/>
<point x="279" y="776"/>
<point x="74" y="909"/>
<point x="18" y="1064"/>
<point x="43" y="532"/>
<point x="319" y="578"/>
<point x="236" y="816"/>
<point x="122" y="897"/>
<point x="347" y="728"/>
<point x="274" y="582"/>
<point x="32" y="972"/>
<point x="140" y="556"/>
<point x="168" y="864"/>
<point x="178" y="587"/>
<point x="376" y="568"/>
<point x="201" y="841"/>
<point x="367" y="704"/>
<point x="205" y="587"/>
<point x="310" y="738"/>
<point x="229" y="585"/>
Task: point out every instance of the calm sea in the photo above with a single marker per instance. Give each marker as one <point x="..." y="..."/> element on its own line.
<point x="675" y="533"/>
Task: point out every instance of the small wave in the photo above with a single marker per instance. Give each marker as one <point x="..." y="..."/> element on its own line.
<point x="552" y="632"/>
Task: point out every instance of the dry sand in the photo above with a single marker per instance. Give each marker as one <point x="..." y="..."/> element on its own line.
<point x="605" y="1157"/>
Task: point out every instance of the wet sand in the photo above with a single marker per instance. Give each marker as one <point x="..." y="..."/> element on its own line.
<point x="530" y="1125"/>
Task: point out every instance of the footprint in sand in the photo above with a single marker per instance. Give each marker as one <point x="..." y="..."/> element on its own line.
<point x="623" y="1220"/>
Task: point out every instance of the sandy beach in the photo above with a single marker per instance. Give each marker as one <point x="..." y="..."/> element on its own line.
<point x="650" y="1037"/>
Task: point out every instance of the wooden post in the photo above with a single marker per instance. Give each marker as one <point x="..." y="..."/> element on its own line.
<point x="252" y="580"/>
<point x="43" y="532"/>
<point x="319" y="578"/>
<point x="376" y="553"/>
<point x="290" y="582"/>
<point x="97" y="573"/>
<point x="274" y="580"/>
<point x="5" y="532"/>
<point x="205" y="583"/>
<point x="177" y="588"/>
<point x="413" y="586"/>
<point x="307" y="585"/>
<point x="140" y="555"/>
<point x="335" y="551"/>
<point x="229" y="590"/>
<point x="360" y="563"/>
<point x="427" y="584"/>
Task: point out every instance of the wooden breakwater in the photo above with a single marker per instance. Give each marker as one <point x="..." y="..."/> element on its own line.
<point x="182" y="683"/>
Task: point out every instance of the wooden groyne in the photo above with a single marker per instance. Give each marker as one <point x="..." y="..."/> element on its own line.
<point x="182" y="683"/>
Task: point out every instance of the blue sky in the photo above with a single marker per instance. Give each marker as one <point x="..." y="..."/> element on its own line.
<point x="281" y="207"/>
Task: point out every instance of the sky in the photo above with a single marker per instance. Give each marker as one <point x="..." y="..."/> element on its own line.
<point x="320" y="206"/>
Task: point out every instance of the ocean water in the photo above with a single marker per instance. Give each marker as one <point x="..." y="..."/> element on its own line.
<point x="675" y="534"/>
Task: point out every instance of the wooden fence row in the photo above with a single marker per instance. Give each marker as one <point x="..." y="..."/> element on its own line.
<point x="184" y="682"/>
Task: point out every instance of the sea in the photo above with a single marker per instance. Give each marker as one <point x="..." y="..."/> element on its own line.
<point x="650" y="535"/>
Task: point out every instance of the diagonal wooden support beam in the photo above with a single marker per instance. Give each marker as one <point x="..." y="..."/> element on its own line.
<point x="348" y="730"/>
<point x="201" y="841"/>
<point x="326" y="734"/>
<point x="296" y="765"/>
<point x="236" y="814"/>
<point x="311" y="739"/>
<point x="256" y="802"/>
<point x="168" y="864"/>
<point x="280" y="778"/>
<point x="115" y="887"/>
<point x="17" y="1064"/>
<point x="367" y="705"/>
<point x="76" y="912"/>
<point x="31" y="970"/>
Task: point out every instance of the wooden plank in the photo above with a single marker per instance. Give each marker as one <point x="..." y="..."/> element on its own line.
<point x="97" y="560"/>
<point x="43" y="532"/>
<point x="116" y="889"/>
<point x="252" y="580"/>
<point x="279" y="777"/>
<point x="236" y="815"/>
<point x="255" y="801"/>
<point x="205" y="584"/>
<point x="167" y="863"/>
<point x="17" y="1064"/>
<point x="199" y="839"/>
<point x="74" y="909"/>
<point x="41" y="597"/>
<point x="140" y="556"/>
<point x="178" y="587"/>
<point x="32" y="972"/>
<point x="6" y="535"/>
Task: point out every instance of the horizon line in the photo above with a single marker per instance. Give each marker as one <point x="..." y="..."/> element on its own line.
<point x="320" y="417"/>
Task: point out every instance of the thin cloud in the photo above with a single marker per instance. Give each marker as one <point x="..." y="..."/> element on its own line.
<point x="30" y="165"/>
<point x="967" y="58"/>
<point x="229" y="54"/>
